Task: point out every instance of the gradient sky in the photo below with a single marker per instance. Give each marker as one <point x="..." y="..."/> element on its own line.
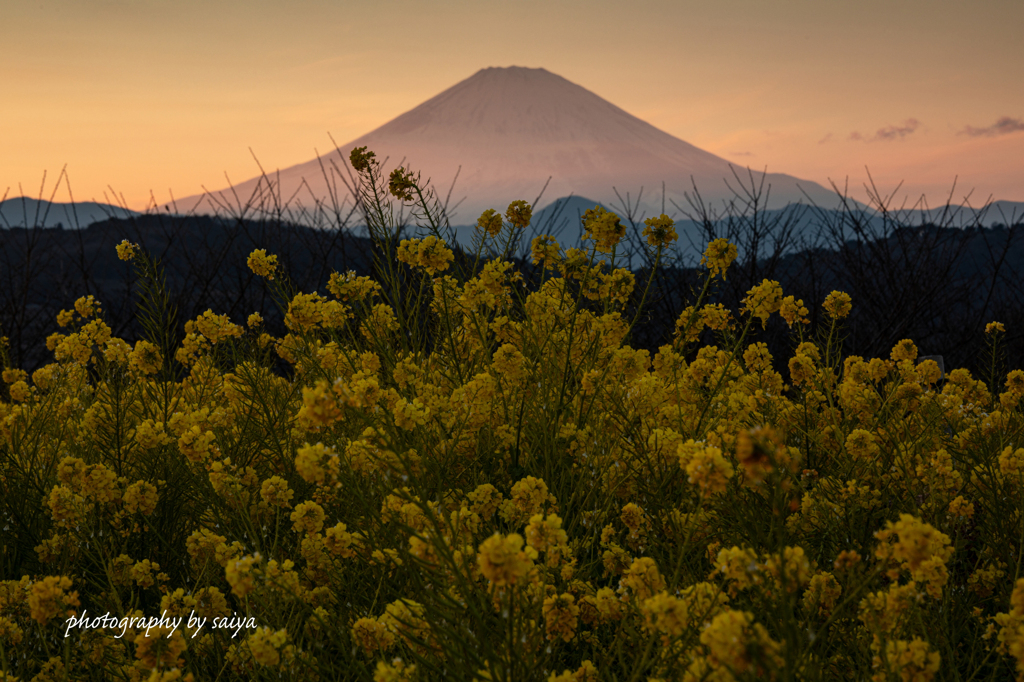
<point x="169" y="95"/>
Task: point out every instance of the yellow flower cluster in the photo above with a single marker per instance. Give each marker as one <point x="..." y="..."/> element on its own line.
<point x="126" y="250"/>
<point x="604" y="228"/>
<point x="763" y="300"/>
<point x="719" y="256"/>
<point x="920" y="549"/>
<point x="429" y="253"/>
<point x="50" y="598"/>
<point x="503" y="560"/>
<point x="660" y="231"/>
<point x="261" y="264"/>
<point x="507" y="489"/>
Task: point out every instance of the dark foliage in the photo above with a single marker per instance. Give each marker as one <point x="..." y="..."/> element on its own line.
<point x="937" y="285"/>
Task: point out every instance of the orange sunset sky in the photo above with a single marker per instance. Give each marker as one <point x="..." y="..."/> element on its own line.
<point x="168" y="95"/>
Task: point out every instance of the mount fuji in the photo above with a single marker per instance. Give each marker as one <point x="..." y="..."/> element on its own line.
<point x="505" y="131"/>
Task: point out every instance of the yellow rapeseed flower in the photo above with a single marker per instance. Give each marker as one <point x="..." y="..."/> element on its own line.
<point x="489" y="222"/>
<point x="792" y="311"/>
<point x="276" y="493"/>
<point x="735" y="642"/>
<point x="822" y="594"/>
<point x="545" y="249"/>
<point x="837" y="305"/>
<point x="660" y="231"/>
<point x="719" y="256"/>
<point x="861" y="444"/>
<point x="140" y="497"/>
<point x="544" y="533"/>
<point x="519" y="213"/>
<point x="904" y="350"/>
<point x="396" y="671"/>
<point x="642" y="579"/>
<point x="126" y="250"/>
<point x="50" y="597"/>
<point x="912" y="661"/>
<point x="361" y="159"/>
<point x="160" y="648"/>
<point x="261" y="264"/>
<point x="921" y="549"/>
<point x="503" y="561"/>
<point x="372" y="636"/>
<point x="706" y="467"/>
<point x="763" y="300"/>
<point x="401" y="184"/>
<point x="561" y="616"/>
<point x="268" y="645"/>
<point x="308" y="517"/>
<point x="604" y="228"/>
<point x="240" y="574"/>
<point x="145" y="358"/>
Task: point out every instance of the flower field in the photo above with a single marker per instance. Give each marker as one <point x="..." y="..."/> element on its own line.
<point x="459" y="470"/>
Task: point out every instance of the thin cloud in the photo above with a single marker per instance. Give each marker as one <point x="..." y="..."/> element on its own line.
<point x="1003" y="126"/>
<point x="889" y="133"/>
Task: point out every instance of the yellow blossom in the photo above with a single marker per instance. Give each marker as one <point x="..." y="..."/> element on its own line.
<point x="793" y="311"/>
<point x="904" y="350"/>
<point x="911" y="661"/>
<point x="642" y="579"/>
<point x="822" y="594"/>
<point x="140" y="497"/>
<point x="276" y="493"/>
<point x="740" y="568"/>
<point x="921" y="549"/>
<point x="719" y="256"/>
<point x="706" y="467"/>
<point x="489" y="222"/>
<point x="837" y="305"/>
<point x="308" y="517"/>
<point x="995" y="328"/>
<point x="429" y="253"/>
<point x="145" y="358"/>
<point x="240" y="574"/>
<point x="660" y="231"/>
<point x="268" y="645"/>
<point x="503" y="561"/>
<point x="401" y="184"/>
<point x="372" y="635"/>
<point x="50" y="597"/>
<point x="545" y="249"/>
<point x="317" y="463"/>
<point x="159" y="647"/>
<point x="362" y="160"/>
<point x="763" y="300"/>
<point x="561" y="616"/>
<point x="261" y="264"/>
<point x="396" y="671"/>
<point x="603" y="227"/>
<point x="519" y="213"/>
<point x="861" y="444"/>
<point x="734" y="640"/>
<point x="126" y="250"/>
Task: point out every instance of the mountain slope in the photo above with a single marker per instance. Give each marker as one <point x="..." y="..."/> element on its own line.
<point x="509" y="129"/>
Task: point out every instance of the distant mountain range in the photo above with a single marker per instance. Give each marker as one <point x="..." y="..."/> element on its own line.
<point x="22" y="211"/>
<point x="500" y="135"/>
<point x="561" y="218"/>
